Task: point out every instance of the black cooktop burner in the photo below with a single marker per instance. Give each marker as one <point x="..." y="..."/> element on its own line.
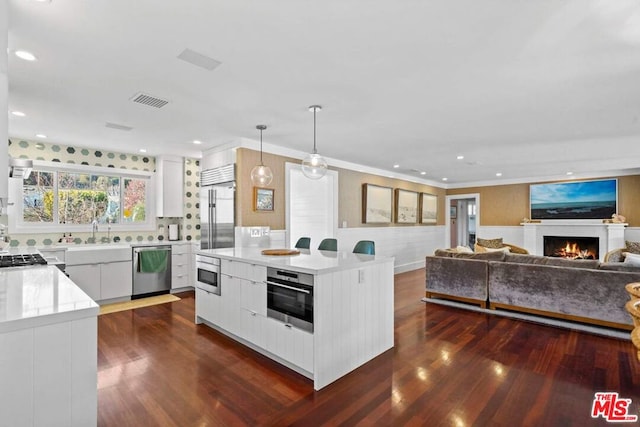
<point x="21" y="260"/>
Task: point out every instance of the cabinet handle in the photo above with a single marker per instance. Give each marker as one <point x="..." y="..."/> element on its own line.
<point x="286" y="325"/>
<point x="253" y="313"/>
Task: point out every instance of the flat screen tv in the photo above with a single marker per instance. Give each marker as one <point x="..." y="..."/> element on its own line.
<point x="596" y="199"/>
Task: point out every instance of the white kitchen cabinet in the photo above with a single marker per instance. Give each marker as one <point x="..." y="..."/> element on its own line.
<point x="289" y="343"/>
<point x="115" y="280"/>
<point x="103" y="273"/>
<point x="103" y="281"/>
<point x="169" y="186"/>
<point x="231" y="316"/>
<point x="254" y="296"/>
<point x="207" y="306"/>
<point x="87" y="277"/>
<point x="181" y="266"/>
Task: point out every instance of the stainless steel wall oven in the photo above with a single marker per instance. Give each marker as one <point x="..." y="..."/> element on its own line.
<point x="290" y="297"/>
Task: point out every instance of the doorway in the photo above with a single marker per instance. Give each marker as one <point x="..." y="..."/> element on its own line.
<point x="462" y="220"/>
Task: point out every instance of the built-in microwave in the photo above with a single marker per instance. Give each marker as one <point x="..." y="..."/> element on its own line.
<point x="208" y="277"/>
<point x="290" y="297"/>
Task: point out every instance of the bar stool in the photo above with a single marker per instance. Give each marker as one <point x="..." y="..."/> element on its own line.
<point x="328" y="245"/>
<point x="634" y="290"/>
<point x="303" y="243"/>
<point x="633" y="308"/>
<point x="365" y="247"/>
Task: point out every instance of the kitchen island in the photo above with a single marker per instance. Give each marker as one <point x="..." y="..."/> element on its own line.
<point x="352" y="304"/>
<point x="48" y="349"/>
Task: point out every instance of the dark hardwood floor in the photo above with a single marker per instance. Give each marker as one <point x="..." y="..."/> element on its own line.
<point x="449" y="367"/>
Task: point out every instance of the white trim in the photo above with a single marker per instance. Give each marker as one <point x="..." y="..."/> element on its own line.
<point x="72" y="167"/>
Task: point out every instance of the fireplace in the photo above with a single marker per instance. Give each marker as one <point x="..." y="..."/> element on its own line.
<point x="571" y="247"/>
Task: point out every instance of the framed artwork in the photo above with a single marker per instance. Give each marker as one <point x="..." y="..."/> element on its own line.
<point x="406" y="206"/>
<point x="262" y="199"/>
<point x="376" y="204"/>
<point x="428" y="208"/>
<point x="453" y="213"/>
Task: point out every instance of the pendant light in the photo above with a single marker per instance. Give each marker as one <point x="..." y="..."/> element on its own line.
<point x="261" y="175"/>
<point x="314" y="166"/>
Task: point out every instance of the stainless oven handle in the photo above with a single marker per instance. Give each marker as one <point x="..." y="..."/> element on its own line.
<point x="288" y="287"/>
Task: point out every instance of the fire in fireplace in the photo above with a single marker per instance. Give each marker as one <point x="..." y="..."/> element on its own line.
<point x="571" y="247"/>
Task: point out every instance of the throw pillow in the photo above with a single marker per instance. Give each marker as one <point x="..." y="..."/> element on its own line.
<point x="631" y="259"/>
<point x="491" y="243"/>
<point x="505" y="249"/>
<point x="464" y="250"/>
<point x="633" y="247"/>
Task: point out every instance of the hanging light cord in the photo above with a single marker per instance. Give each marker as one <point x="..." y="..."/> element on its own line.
<point x="314" y="130"/>
<point x="261" y="148"/>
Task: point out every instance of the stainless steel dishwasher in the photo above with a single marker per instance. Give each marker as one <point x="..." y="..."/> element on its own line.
<point x="151" y="270"/>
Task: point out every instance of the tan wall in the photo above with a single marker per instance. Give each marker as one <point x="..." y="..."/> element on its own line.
<point x="509" y="204"/>
<point x="349" y="192"/>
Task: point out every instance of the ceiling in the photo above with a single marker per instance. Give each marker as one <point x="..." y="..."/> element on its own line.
<point x="529" y="89"/>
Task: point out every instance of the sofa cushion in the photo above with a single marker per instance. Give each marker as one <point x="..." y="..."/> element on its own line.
<point x="619" y="266"/>
<point x="556" y="262"/>
<point x="482" y="249"/>
<point x="490" y="243"/>
<point x="631" y="259"/>
<point x="633" y="247"/>
<point x="487" y="256"/>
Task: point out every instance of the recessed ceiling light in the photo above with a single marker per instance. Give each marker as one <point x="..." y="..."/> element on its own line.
<point x="444" y="179"/>
<point x="569" y="173"/>
<point x="498" y="173"/>
<point x="142" y="150"/>
<point x="41" y="135"/>
<point x="18" y="113"/>
<point x="396" y="166"/>
<point x="460" y="157"/>
<point x="423" y="173"/>
<point x="197" y="142"/>
<point x="27" y="56"/>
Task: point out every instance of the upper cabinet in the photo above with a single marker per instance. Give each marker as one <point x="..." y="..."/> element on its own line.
<point x="170" y="186"/>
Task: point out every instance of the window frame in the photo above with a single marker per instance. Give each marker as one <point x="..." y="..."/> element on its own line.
<point x="17" y="225"/>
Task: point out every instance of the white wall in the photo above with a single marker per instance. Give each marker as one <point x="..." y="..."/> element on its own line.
<point x="408" y="245"/>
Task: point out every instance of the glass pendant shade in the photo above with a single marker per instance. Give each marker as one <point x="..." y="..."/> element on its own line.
<point x="261" y="175"/>
<point x="314" y="166"/>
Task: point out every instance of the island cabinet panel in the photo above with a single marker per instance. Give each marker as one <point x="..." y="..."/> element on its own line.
<point x="230" y="311"/>
<point x="291" y="344"/>
<point x="207" y="307"/>
<point x="353" y="319"/>
<point x="50" y="375"/>
<point x="353" y="310"/>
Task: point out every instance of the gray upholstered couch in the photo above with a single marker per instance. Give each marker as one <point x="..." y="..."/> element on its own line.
<point x="584" y="291"/>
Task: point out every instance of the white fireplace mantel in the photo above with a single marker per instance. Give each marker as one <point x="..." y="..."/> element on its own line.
<point x="611" y="236"/>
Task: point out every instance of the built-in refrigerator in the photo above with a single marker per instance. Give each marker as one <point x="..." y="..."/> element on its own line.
<point x="217" y="207"/>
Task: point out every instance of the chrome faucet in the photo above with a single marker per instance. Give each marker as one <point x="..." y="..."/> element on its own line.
<point x="94" y="229"/>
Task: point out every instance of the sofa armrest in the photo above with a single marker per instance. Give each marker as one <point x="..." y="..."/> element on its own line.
<point x="614" y="255"/>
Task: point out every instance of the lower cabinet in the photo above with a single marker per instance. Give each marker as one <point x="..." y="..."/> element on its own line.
<point x="291" y="344"/>
<point x="241" y="310"/>
<point x="103" y="281"/>
<point x="207" y="306"/>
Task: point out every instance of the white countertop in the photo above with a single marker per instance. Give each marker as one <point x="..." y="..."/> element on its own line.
<point x="40" y="295"/>
<point x="308" y="261"/>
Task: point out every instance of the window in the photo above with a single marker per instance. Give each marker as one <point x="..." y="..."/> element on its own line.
<point x="68" y="197"/>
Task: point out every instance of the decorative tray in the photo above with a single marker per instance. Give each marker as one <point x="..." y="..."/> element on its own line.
<point x="280" y="252"/>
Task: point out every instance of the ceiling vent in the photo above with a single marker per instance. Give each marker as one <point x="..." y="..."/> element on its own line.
<point x="199" y="60"/>
<point x="117" y="126"/>
<point x="151" y="101"/>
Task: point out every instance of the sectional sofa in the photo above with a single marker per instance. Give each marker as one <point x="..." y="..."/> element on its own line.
<point x="586" y="291"/>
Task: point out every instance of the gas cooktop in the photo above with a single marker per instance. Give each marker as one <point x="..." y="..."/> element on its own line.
<point x="21" y="260"/>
